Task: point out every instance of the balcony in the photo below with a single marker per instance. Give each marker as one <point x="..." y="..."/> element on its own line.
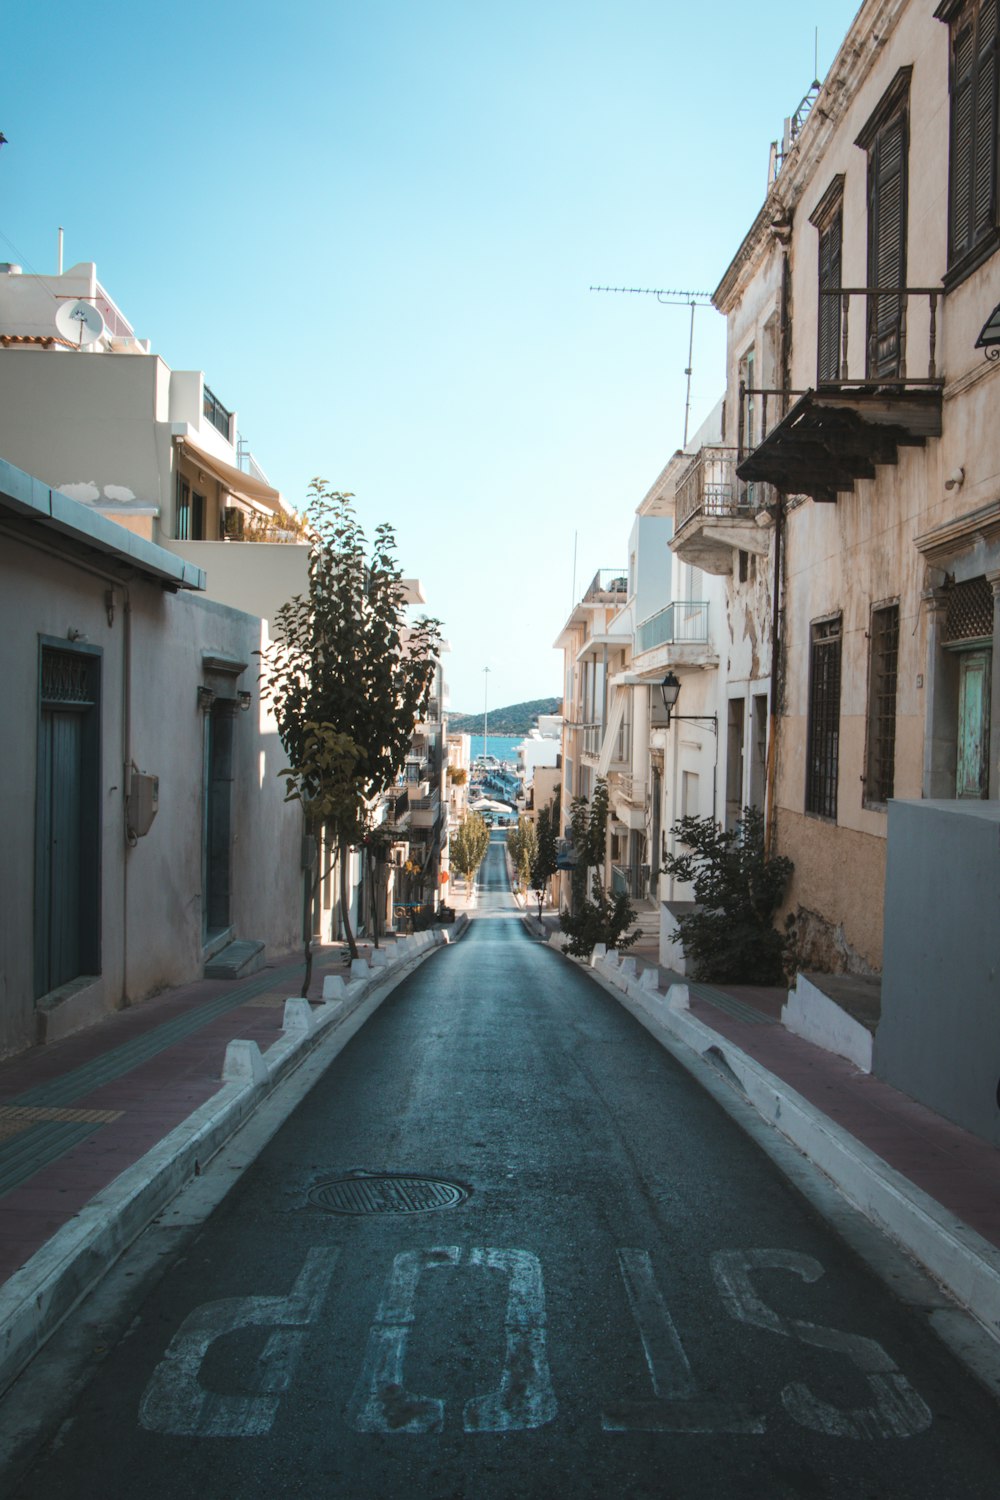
<point x="608" y="586"/>
<point x="866" y="405"/>
<point x="683" y="622"/>
<point x="425" y="811"/>
<point x="715" y="515"/>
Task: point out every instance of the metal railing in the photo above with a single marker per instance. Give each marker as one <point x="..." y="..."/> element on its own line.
<point x="630" y="787"/>
<point x="685" y="622"/>
<point x="114" y="320"/>
<point x="710" y="487"/>
<point x="607" y="583"/>
<point x="220" y="418"/>
<point x="626" y="881"/>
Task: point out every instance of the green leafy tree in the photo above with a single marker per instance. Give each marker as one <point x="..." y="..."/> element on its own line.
<point x="732" y="938"/>
<point x="544" y="866"/>
<point x="598" y="915"/>
<point x="522" y="846"/>
<point x="345" y="658"/>
<point x="469" y="845"/>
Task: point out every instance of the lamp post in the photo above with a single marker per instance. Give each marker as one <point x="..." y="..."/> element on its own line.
<point x="670" y="691"/>
<point x="486" y="717"/>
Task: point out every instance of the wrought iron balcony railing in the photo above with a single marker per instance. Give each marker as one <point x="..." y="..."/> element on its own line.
<point x="685" y="622"/>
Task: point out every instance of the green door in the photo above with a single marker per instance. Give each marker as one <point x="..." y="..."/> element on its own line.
<point x="975" y="671"/>
<point x="67" y="826"/>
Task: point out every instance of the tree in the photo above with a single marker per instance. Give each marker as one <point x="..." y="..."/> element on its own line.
<point x="522" y="846"/>
<point x="732" y="939"/>
<point x="469" y="845"/>
<point x="345" y="661"/>
<point x="543" y="866"/>
<point x="601" y="916"/>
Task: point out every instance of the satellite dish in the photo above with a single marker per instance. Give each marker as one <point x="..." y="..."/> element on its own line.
<point x="79" y="323"/>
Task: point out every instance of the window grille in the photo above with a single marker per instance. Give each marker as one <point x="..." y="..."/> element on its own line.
<point x="970" y="611"/>
<point x="822" y="757"/>
<point x="68" y="679"/>
<point x="883" y="667"/>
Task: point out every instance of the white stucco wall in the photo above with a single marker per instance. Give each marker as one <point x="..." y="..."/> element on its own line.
<point x="151" y="895"/>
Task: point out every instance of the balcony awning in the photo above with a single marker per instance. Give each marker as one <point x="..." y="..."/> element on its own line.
<point x="830" y="439"/>
<point x="611" y="733"/>
<point x="243" y="486"/>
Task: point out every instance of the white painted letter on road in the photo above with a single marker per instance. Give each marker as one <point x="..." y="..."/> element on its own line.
<point x="176" y="1403"/>
<point x="677" y="1406"/>
<point x="897" y="1410"/>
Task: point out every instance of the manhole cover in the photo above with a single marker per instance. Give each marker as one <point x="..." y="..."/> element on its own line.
<point x="387" y="1193"/>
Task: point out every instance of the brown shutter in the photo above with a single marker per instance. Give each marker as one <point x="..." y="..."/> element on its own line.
<point x="962" y="115"/>
<point x="887" y="245"/>
<point x="972" y="197"/>
<point x="985" y="122"/>
<point x="830" y="240"/>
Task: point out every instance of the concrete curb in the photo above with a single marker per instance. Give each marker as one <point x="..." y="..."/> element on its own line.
<point x="960" y="1260"/>
<point x="36" y="1299"/>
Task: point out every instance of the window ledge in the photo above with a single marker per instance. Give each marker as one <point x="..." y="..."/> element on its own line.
<point x="971" y="261"/>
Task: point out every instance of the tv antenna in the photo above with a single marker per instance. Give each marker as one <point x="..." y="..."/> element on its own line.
<point x="670" y="297"/>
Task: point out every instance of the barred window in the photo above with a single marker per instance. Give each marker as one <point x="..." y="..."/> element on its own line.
<point x="883" y="667"/>
<point x="823" y="749"/>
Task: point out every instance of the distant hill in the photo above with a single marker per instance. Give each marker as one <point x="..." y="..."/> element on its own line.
<point x="518" y="718"/>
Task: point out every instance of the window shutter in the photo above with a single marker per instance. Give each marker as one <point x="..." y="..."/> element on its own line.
<point x="887" y="245"/>
<point x="985" y="122"/>
<point x="962" y="114"/>
<point x="830" y="240"/>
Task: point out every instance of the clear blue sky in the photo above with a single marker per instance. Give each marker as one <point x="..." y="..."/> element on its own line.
<point x="374" y="225"/>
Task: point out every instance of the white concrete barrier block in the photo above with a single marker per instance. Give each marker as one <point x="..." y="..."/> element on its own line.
<point x="810" y="1014"/>
<point x="334" y="987"/>
<point x="649" y="981"/>
<point x="379" y="958"/>
<point x="298" y="1015"/>
<point x="244" y="1064"/>
<point x="629" y="968"/>
<point x="679" y="997"/>
<point x="359" y="968"/>
<point x="598" y="952"/>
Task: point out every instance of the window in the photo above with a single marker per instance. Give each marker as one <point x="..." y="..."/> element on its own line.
<point x="972" y="189"/>
<point x="182" y="528"/>
<point x="822" y="754"/>
<point x="829" y="220"/>
<point x="886" y="140"/>
<point x="883" y="664"/>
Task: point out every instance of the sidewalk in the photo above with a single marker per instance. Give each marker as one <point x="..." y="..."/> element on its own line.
<point x="98" y="1131"/>
<point x="934" y="1187"/>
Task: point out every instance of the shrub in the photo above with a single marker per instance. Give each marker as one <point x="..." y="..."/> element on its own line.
<point x="732" y="939"/>
<point x="600" y="917"/>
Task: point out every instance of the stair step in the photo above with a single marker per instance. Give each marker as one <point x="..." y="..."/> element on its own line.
<point x="243" y="957"/>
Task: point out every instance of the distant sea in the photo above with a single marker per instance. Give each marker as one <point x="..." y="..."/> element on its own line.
<point x="500" y="745"/>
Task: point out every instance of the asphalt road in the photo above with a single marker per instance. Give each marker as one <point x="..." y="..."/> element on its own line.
<point x="628" y="1300"/>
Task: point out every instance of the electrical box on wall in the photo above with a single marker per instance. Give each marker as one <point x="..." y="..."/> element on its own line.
<point x="143" y="803"/>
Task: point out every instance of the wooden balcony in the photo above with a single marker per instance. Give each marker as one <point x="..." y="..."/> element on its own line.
<point x="867" y="404"/>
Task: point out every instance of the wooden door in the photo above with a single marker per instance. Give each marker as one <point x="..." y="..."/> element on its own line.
<point x="975" y="671"/>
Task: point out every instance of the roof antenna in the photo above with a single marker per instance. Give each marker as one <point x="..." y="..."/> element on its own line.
<point x="671" y="298"/>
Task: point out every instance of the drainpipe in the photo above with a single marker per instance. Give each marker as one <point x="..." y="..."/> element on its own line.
<point x="770" y="806"/>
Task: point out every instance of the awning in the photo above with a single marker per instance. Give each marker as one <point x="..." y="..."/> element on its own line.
<point x="611" y="733"/>
<point x="243" y="486"/>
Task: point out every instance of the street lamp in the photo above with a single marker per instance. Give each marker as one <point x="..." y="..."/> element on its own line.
<point x="670" y="691"/>
<point x="989" y="335"/>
